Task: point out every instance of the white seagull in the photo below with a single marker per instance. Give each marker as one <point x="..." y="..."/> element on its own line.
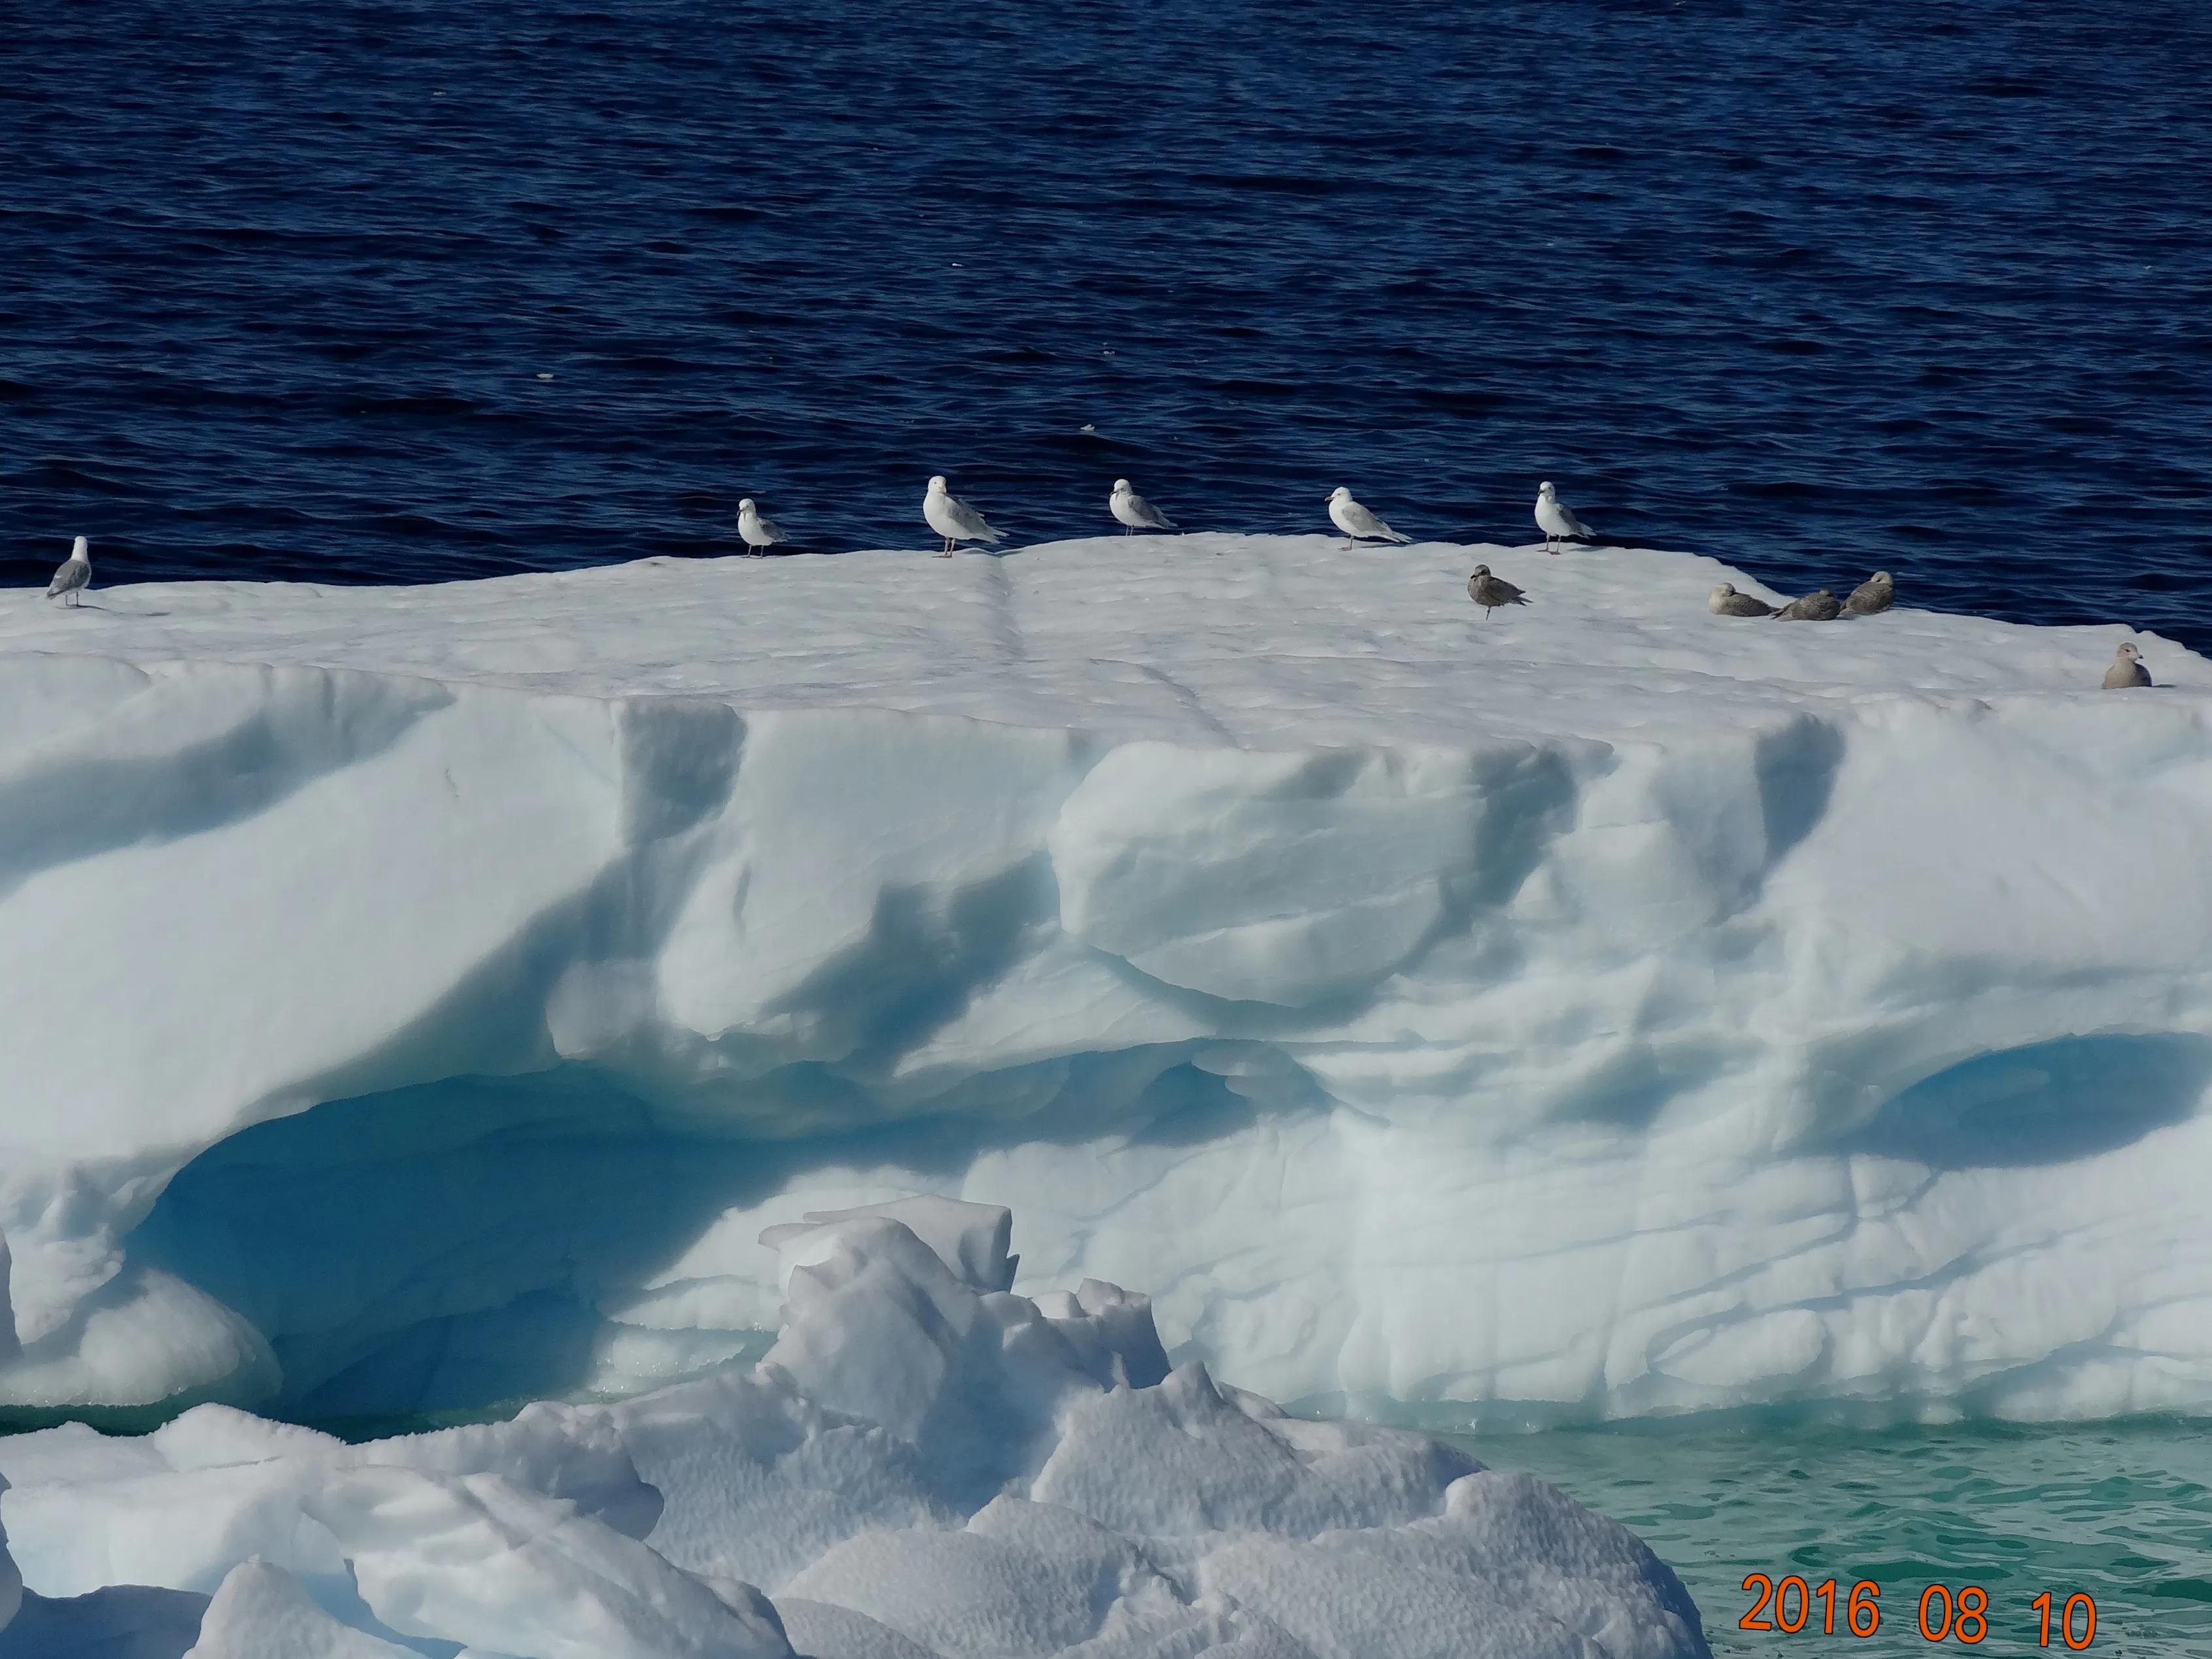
<point x="1357" y="523"/>
<point x="758" y="532"/>
<point x="2127" y="668"/>
<point x="1134" y="511"/>
<point x="1557" y="522"/>
<point x="953" y="518"/>
<point x="74" y="576"/>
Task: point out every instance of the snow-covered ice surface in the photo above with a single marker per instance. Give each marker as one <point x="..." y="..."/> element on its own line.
<point x="413" y="998"/>
<point x="923" y="1464"/>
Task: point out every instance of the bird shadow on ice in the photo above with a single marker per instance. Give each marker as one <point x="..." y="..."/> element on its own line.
<point x="2058" y="1102"/>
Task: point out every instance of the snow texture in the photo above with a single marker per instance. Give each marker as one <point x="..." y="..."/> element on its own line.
<point x="924" y="1465"/>
<point x="419" y="998"/>
<point x="262" y="1612"/>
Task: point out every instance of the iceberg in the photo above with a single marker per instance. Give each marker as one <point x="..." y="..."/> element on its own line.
<point x="924" y="1464"/>
<point x="419" y="999"/>
<point x="11" y="1580"/>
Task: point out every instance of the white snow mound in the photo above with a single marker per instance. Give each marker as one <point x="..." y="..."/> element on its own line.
<point x="923" y="1467"/>
<point x="419" y="998"/>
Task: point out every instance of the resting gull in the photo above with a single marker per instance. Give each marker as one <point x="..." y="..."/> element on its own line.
<point x="1357" y="523"/>
<point x="74" y="576"/>
<point x="953" y="518"/>
<point x="1821" y="607"/>
<point x="1725" y="601"/>
<point x="1558" y="522"/>
<point x="758" y="532"/>
<point x="1134" y="511"/>
<point x="1872" y="596"/>
<point x="2127" y="668"/>
<point x="1487" y="591"/>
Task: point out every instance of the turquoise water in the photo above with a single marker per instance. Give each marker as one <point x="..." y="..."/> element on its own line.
<point x="2121" y="1512"/>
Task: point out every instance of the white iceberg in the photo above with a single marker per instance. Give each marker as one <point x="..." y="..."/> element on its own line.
<point x="924" y="1465"/>
<point x="415" y="998"/>
<point x="262" y="1612"/>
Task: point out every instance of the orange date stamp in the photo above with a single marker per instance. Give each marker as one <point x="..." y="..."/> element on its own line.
<point x="1791" y="1605"/>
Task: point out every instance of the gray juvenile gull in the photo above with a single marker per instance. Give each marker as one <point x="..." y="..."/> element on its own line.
<point x="74" y="576"/>
<point x="758" y="532"/>
<point x="954" y="519"/>
<point x="1357" y="523"/>
<point x="1487" y="591"/>
<point x="1725" y="601"/>
<point x="1557" y="522"/>
<point x="1134" y="511"/>
<point x="2127" y="668"/>
<point x="1821" y="607"/>
<point x="1872" y="596"/>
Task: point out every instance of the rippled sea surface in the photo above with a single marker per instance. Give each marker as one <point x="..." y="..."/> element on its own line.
<point x="1814" y="288"/>
<point x="2120" y="1514"/>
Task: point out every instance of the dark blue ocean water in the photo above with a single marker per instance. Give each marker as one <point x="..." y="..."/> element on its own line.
<point x="1814" y="288"/>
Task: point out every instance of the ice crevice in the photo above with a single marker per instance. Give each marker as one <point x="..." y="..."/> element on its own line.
<point x="418" y="1000"/>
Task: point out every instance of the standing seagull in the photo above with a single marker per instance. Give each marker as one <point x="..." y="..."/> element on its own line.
<point x="1355" y="522"/>
<point x="1872" y="596"/>
<point x="953" y="518"/>
<point x="74" y="576"/>
<point x="2127" y="668"/>
<point x="1557" y="523"/>
<point x="758" y="532"/>
<point x="1725" y="601"/>
<point x="1134" y="511"/>
<point x="1487" y="591"/>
